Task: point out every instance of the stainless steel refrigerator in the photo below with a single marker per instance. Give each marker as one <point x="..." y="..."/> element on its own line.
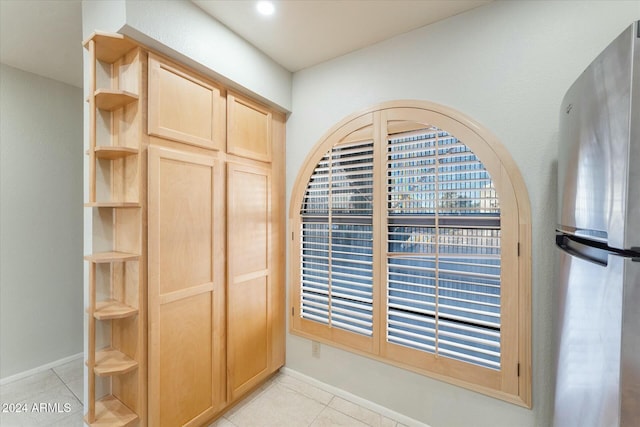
<point x="598" y="239"/>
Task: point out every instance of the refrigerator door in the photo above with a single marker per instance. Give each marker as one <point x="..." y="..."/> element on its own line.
<point x="630" y="369"/>
<point x="588" y="340"/>
<point x="599" y="131"/>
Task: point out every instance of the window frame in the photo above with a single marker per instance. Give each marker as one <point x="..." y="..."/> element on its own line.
<point x="512" y="382"/>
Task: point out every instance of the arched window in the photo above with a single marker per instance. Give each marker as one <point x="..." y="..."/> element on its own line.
<point x="412" y="244"/>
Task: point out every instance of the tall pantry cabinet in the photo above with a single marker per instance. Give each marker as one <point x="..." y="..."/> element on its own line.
<point x="186" y="284"/>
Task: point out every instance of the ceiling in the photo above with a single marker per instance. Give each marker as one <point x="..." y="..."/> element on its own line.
<point x="44" y="36"/>
<point x="301" y="34"/>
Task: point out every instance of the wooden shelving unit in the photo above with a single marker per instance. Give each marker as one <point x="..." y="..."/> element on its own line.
<point x="120" y="205"/>
<point x="117" y="351"/>
<point x="110" y="47"/>
<point x="111" y="256"/>
<point x="113" y="362"/>
<point x="110" y="100"/>
<point x="179" y="167"/>
<point x="111" y="412"/>
<point x="113" y="309"/>
<point x="114" y="153"/>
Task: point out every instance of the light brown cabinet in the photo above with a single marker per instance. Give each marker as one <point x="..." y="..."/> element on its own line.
<point x="255" y="236"/>
<point x="184" y="107"/>
<point x="192" y="203"/>
<point x="186" y="289"/>
<point x="248" y="128"/>
<point x="249" y="270"/>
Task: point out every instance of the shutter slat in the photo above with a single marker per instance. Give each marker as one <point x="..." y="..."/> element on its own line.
<point x="435" y="178"/>
<point x="341" y="194"/>
<point x="442" y="209"/>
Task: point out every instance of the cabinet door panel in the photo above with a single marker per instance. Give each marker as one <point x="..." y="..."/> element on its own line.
<point x="185" y="227"/>
<point x="185" y="358"/>
<point x="249" y="219"/>
<point x="249" y="267"/>
<point x="249" y="129"/>
<point x="183" y="107"/>
<point x="186" y="295"/>
<point x="249" y="333"/>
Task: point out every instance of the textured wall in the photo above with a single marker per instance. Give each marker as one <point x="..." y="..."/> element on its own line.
<point x="40" y="221"/>
<point x="201" y="42"/>
<point x="184" y="32"/>
<point x="507" y="65"/>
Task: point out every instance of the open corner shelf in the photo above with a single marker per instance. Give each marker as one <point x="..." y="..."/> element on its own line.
<point x="113" y="362"/>
<point x="116" y="100"/>
<point x="112" y="309"/>
<point x="107" y="257"/>
<point x="113" y="152"/>
<point x="111" y="412"/>
<point x="109" y="99"/>
<point x="112" y="205"/>
<point x="110" y="46"/>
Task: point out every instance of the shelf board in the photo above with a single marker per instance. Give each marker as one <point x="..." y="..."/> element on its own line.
<point x="113" y="362"/>
<point x="112" y="205"/>
<point x="110" y="46"/>
<point x="111" y="412"/>
<point x="109" y="100"/>
<point x="114" y="153"/>
<point x="112" y="309"/>
<point x="107" y="257"/>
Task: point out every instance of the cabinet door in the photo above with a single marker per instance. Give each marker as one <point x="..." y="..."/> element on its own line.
<point x="186" y="292"/>
<point x="184" y="107"/>
<point x="248" y="128"/>
<point x="249" y="280"/>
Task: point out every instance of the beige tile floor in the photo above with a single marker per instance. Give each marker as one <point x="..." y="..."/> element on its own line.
<point x="284" y="401"/>
<point x="61" y="386"/>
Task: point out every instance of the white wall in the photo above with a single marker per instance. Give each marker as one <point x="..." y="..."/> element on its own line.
<point x="40" y="221"/>
<point x="183" y="31"/>
<point x="507" y="65"/>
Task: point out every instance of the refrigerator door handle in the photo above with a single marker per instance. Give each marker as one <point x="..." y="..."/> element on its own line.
<point x="576" y="247"/>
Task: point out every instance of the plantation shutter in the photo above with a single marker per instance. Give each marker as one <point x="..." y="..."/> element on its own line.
<point x="337" y="240"/>
<point x="443" y="261"/>
<point x="449" y="294"/>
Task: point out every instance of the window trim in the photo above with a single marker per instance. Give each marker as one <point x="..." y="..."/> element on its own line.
<point x="374" y="123"/>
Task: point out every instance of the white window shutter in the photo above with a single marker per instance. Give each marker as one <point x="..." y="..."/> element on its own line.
<point x="337" y="240"/>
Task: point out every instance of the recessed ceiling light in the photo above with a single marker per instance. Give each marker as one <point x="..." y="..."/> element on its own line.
<point x="265" y="8"/>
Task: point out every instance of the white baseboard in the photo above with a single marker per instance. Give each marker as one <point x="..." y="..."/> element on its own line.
<point x="39" y="369"/>
<point x="403" y="419"/>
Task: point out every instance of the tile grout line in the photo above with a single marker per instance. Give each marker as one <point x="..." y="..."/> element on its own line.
<point x="292" y="388"/>
<point x="399" y="418"/>
<point x="228" y="420"/>
<point x="71" y="391"/>
<point x="247" y="400"/>
<point x="325" y="407"/>
<point x="357" y="419"/>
